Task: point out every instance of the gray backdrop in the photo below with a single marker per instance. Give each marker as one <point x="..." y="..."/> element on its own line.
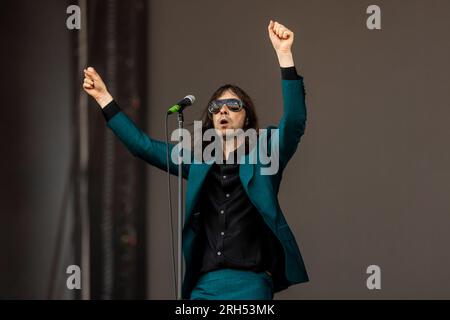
<point x="370" y="181"/>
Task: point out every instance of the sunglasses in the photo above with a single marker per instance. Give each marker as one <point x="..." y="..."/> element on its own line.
<point x="234" y="105"/>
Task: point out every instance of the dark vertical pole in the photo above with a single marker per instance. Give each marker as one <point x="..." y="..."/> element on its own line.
<point x="84" y="162"/>
<point x="117" y="40"/>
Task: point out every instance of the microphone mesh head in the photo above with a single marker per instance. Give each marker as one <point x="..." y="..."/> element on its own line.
<point x="190" y="97"/>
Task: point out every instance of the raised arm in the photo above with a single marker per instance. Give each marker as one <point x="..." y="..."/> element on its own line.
<point x="137" y="142"/>
<point x="292" y="124"/>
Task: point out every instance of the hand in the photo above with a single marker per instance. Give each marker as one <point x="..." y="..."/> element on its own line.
<point x="281" y="37"/>
<point x="95" y="87"/>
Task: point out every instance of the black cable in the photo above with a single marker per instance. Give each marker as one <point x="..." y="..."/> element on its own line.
<point x="170" y="207"/>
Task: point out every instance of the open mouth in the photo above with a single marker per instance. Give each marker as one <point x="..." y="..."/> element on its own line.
<point x="223" y="122"/>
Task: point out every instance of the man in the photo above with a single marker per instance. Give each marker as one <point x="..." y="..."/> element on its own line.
<point x="236" y="241"/>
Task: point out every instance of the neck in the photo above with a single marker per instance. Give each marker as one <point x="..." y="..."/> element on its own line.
<point x="230" y="144"/>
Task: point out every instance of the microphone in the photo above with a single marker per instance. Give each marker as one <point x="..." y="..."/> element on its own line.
<point x="186" y="102"/>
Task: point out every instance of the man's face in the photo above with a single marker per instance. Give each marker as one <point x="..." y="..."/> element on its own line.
<point x="226" y="119"/>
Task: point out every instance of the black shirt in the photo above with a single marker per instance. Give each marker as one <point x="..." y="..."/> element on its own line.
<point x="235" y="234"/>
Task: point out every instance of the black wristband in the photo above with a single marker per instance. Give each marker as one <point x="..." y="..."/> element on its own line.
<point x="110" y="110"/>
<point x="289" y="73"/>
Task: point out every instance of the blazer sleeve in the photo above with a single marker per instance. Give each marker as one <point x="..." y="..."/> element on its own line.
<point x="138" y="143"/>
<point x="293" y="122"/>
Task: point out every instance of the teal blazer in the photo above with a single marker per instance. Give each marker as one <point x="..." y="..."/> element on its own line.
<point x="262" y="190"/>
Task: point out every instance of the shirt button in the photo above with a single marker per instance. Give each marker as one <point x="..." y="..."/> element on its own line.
<point x="227" y="195"/>
<point x="222" y="233"/>
<point x="219" y="253"/>
<point x="221" y="211"/>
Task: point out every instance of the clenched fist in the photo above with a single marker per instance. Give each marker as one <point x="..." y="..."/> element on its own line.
<point x="281" y="37"/>
<point x="95" y="87"/>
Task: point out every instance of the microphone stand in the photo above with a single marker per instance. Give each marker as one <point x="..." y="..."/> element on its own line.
<point x="180" y="207"/>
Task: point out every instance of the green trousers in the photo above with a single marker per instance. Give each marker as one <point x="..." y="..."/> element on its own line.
<point x="233" y="284"/>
